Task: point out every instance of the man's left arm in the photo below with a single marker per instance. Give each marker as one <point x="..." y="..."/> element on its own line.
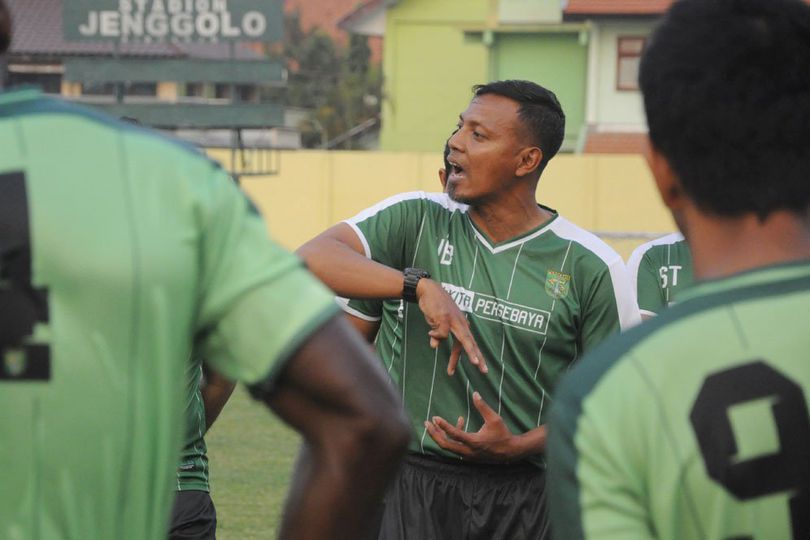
<point x="216" y="390"/>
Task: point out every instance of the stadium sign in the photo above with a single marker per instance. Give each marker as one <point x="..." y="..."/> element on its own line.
<point x="149" y="21"/>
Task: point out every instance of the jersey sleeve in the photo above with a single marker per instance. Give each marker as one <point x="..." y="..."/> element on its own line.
<point x="646" y="282"/>
<point x="257" y="302"/>
<point x="595" y="487"/>
<point x="368" y="310"/>
<point x="389" y="231"/>
<point x="609" y="306"/>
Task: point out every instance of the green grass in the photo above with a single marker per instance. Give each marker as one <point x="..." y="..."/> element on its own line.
<point x="251" y="458"/>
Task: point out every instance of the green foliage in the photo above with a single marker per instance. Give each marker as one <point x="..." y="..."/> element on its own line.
<point x="338" y="84"/>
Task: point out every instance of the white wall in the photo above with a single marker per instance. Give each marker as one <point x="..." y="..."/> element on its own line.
<point x="609" y="108"/>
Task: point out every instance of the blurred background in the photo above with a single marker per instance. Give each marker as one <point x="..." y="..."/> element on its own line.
<point x="322" y="107"/>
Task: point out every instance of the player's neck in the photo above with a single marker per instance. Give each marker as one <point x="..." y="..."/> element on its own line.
<point x="722" y="246"/>
<point x="506" y="219"/>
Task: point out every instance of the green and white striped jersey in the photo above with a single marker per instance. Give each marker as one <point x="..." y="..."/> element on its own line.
<point x="192" y="471"/>
<point x="660" y="270"/>
<point x="695" y="424"/>
<point x="534" y="303"/>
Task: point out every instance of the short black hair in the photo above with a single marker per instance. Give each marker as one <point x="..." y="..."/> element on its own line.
<point x="539" y="110"/>
<point x="726" y="87"/>
<point x="5" y="27"/>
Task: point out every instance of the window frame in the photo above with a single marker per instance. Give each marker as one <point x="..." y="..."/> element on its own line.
<point x="634" y="87"/>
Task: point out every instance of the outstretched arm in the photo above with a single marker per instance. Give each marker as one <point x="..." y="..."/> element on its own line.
<point x="335" y="394"/>
<point x="337" y="257"/>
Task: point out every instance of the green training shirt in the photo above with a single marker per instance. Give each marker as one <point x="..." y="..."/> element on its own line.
<point x="119" y="251"/>
<point x="695" y="424"/>
<point x="534" y="303"/>
<point x="192" y="471"/>
<point x="660" y="270"/>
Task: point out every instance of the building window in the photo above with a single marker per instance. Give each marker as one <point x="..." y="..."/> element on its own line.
<point x="140" y="89"/>
<point x="195" y="90"/>
<point x="629" y="60"/>
<point x="49" y="83"/>
<point x="98" y="89"/>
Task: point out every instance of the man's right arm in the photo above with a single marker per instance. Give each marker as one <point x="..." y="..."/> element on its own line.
<point x="334" y="392"/>
<point x="337" y="257"/>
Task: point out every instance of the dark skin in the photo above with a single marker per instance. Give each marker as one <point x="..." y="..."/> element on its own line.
<point x="722" y="246"/>
<point x="495" y="169"/>
<point x="369" y="329"/>
<point x="337" y="257"/>
<point x="216" y="390"/>
<point x="337" y="482"/>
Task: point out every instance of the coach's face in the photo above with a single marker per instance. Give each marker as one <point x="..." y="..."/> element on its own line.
<point x="485" y="152"/>
<point x="5" y="27"/>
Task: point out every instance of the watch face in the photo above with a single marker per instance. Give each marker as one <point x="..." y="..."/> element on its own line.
<point x="417" y="272"/>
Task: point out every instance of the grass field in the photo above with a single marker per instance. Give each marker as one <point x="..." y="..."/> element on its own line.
<point x="252" y="455"/>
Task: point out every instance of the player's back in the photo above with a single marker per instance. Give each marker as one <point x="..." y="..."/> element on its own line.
<point x="98" y="319"/>
<point x="715" y="433"/>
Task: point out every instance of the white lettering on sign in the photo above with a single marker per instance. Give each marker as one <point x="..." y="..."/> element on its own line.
<point x="148" y="20"/>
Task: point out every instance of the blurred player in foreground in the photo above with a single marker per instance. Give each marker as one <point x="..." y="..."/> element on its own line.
<point x="194" y="516"/>
<point x="660" y="270"/>
<point x="695" y="424"/>
<point x="119" y="251"/>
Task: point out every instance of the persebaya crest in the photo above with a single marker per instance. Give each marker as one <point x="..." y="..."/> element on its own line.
<point x="557" y="284"/>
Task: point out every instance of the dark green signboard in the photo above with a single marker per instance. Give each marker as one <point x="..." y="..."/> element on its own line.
<point x="152" y="21"/>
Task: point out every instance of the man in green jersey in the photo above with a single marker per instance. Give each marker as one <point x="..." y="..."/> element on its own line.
<point x="659" y="270"/>
<point x="522" y="290"/>
<point x="696" y="423"/>
<point x="119" y="252"/>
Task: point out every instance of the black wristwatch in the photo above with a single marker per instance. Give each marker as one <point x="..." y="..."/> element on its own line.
<point x="412" y="277"/>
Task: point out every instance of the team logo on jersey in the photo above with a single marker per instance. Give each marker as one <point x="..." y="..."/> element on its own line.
<point x="557" y="284"/>
<point x="14" y="362"/>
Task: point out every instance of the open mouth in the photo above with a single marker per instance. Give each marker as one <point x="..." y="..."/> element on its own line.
<point x="456" y="170"/>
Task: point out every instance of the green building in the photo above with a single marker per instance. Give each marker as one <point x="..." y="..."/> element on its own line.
<point x="586" y="51"/>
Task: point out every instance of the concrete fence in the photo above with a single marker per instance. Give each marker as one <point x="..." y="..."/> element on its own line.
<point x="613" y="196"/>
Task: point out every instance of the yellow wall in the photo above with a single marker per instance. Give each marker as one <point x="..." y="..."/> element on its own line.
<point x="315" y="189"/>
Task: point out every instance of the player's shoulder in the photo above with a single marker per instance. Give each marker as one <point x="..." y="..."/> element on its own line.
<point x="654" y="338"/>
<point x="648" y="249"/>
<point x="587" y="245"/>
<point x="34" y="104"/>
<point x="421" y="200"/>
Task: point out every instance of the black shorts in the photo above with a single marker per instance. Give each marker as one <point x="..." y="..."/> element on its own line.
<point x="439" y="499"/>
<point x="193" y="517"/>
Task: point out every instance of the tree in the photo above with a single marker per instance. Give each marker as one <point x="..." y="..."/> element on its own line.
<point x="337" y="84"/>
